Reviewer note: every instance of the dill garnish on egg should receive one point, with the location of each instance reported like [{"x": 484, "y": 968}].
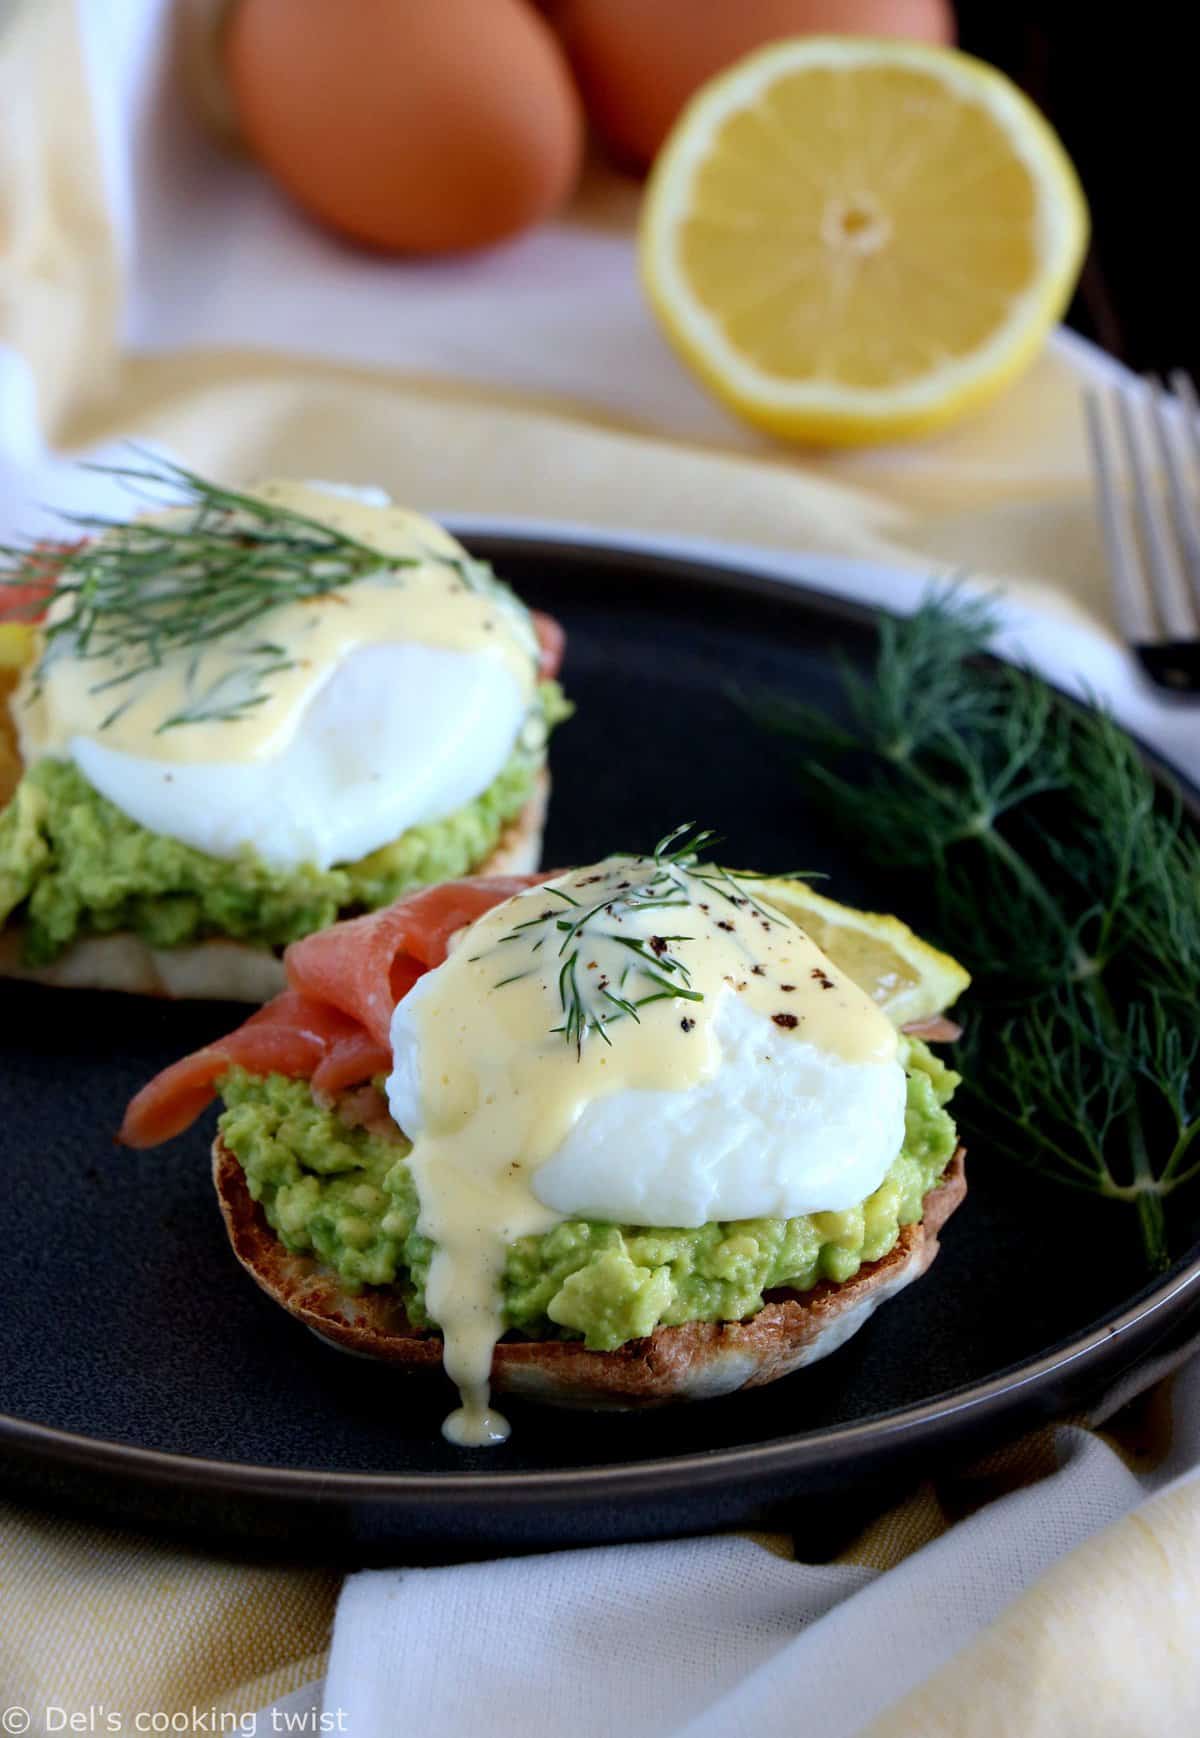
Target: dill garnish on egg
[
  {"x": 206, "y": 567},
  {"x": 636, "y": 971}
]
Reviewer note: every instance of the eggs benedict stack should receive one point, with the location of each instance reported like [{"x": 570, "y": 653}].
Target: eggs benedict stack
[
  {"x": 246, "y": 714},
  {"x": 616, "y": 1135}
]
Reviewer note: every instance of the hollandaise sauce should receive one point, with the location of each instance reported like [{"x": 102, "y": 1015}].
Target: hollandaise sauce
[
  {"x": 609, "y": 979},
  {"x": 199, "y": 634}
]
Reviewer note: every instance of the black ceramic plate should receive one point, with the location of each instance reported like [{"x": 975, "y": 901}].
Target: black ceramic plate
[{"x": 143, "y": 1374}]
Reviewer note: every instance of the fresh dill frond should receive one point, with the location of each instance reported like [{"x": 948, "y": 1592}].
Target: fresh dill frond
[
  {"x": 1064, "y": 874},
  {"x": 131, "y": 594},
  {"x": 630, "y": 971}
]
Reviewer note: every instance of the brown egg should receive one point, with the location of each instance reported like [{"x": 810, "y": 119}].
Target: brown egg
[
  {"x": 415, "y": 125},
  {"x": 638, "y": 61}
]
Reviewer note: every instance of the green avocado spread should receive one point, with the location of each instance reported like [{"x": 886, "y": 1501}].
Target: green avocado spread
[
  {"x": 72, "y": 864},
  {"x": 345, "y": 1195}
]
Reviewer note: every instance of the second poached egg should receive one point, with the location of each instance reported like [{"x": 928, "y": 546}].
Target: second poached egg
[{"x": 314, "y": 733}]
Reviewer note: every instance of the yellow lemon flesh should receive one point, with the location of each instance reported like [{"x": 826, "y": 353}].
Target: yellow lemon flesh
[
  {"x": 17, "y": 641},
  {"x": 855, "y": 240},
  {"x": 906, "y": 977},
  {"x": 17, "y": 646}
]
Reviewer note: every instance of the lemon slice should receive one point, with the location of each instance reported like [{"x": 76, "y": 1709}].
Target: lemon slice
[
  {"x": 907, "y": 978},
  {"x": 855, "y": 240},
  {"x": 14, "y": 652}
]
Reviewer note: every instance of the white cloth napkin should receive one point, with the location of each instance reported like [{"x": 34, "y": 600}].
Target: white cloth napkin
[{"x": 709, "y": 1637}]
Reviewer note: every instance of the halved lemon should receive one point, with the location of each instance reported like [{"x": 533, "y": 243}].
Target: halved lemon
[
  {"x": 907, "y": 978},
  {"x": 855, "y": 240}
]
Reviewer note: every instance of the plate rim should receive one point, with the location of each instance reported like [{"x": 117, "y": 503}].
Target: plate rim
[{"x": 473, "y": 1489}]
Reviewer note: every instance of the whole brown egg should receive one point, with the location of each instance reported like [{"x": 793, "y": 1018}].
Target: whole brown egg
[
  {"x": 638, "y": 61},
  {"x": 412, "y": 125}
]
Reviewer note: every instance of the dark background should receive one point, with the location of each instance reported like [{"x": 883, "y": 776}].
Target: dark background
[{"x": 1120, "y": 88}]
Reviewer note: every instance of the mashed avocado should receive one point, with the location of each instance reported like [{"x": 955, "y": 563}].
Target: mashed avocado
[
  {"x": 346, "y": 1195},
  {"x": 72, "y": 864}
]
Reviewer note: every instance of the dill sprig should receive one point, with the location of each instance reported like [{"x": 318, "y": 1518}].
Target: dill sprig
[
  {"x": 130, "y": 595},
  {"x": 631, "y": 971},
  {"x": 1065, "y": 875}
]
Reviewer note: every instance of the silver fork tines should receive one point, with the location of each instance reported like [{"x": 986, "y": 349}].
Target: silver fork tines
[{"x": 1154, "y": 557}]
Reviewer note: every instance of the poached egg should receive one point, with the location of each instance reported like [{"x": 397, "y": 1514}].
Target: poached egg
[
  {"x": 319, "y": 731},
  {"x": 640, "y": 1042}
]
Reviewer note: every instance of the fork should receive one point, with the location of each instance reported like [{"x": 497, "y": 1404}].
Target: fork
[{"x": 1153, "y": 557}]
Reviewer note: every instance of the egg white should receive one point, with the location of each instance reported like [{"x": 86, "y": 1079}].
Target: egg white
[
  {"x": 780, "y": 1128},
  {"x": 396, "y": 736}
]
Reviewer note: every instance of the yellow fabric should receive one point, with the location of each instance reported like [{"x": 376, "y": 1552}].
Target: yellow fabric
[
  {"x": 442, "y": 445},
  {"x": 1104, "y": 1645},
  {"x": 88, "y": 1615}
]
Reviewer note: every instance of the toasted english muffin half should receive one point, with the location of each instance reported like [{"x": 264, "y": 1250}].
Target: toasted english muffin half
[
  {"x": 695, "y": 1361},
  {"x": 221, "y": 969}
]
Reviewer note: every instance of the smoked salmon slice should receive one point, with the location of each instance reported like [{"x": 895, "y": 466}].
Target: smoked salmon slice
[
  {"x": 552, "y": 639},
  {"x": 352, "y": 1060},
  {"x": 333, "y": 1024},
  {"x": 364, "y": 966},
  {"x": 291, "y": 1035},
  {"x": 26, "y": 600},
  {"x": 935, "y": 1028}
]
